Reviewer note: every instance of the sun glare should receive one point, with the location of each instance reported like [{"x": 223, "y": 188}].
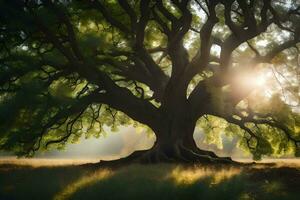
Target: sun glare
[{"x": 260, "y": 80}]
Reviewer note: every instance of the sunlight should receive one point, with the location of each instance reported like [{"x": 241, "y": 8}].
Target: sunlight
[
  {"x": 189, "y": 176},
  {"x": 83, "y": 182},
  {"x": 45, "y": 162},
  {"x": 261, "y": 80}
]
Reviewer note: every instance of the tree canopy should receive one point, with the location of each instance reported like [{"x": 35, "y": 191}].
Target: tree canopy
[{"x": 72, "y": 68}]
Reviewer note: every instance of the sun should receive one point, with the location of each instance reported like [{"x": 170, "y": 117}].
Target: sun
[
  {"x": 254, "y": 80},
  {"x": 260, "y": 80}
]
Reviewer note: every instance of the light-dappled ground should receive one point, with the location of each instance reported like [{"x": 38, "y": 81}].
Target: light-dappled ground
[{"x": 19, "y": 180}]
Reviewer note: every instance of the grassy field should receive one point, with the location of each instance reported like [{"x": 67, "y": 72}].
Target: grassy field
[{"x": 162, "y": 181}]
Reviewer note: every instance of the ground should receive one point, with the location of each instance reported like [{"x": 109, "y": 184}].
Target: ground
[{"x": 159, "y": 181}]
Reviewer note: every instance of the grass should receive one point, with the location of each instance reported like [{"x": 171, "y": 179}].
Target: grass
[{"x": 161, "y": 181}]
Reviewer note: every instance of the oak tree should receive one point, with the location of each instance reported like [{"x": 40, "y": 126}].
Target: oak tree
[{"x": 71, "y": 68}]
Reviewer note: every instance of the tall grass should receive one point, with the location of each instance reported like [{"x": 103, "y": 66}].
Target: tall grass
[{"x": 161, "y": 181}]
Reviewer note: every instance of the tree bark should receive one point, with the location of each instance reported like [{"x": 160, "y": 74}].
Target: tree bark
[{"x": 174, "y": 144}]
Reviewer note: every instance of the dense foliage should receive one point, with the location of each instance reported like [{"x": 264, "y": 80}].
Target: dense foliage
[{"x": 73, "y": 68}]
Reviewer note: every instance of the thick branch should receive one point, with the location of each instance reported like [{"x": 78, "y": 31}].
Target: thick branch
[{"x": 98, "y": 5}]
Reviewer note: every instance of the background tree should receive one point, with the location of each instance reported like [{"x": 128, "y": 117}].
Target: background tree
[{"x": 72, "y": 67}]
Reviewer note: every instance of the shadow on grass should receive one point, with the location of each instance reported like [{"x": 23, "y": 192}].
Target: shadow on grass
[
  {"x": 25, "y": 182},
  {"x": 163, "y": 181}
]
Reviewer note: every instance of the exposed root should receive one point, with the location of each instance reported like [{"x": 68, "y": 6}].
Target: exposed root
[{"x": 180, "y": 155}]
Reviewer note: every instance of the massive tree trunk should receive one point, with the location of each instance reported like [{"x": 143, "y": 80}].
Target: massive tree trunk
[
  {"x": 174, "y": 127},
  {"x": 174, "y": 143}
]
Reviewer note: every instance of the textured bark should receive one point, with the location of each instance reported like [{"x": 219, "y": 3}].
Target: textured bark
[{"x": 174, "y": 144}]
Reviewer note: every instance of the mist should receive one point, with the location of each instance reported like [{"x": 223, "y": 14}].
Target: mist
[{"x": 119, "y": 144}]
